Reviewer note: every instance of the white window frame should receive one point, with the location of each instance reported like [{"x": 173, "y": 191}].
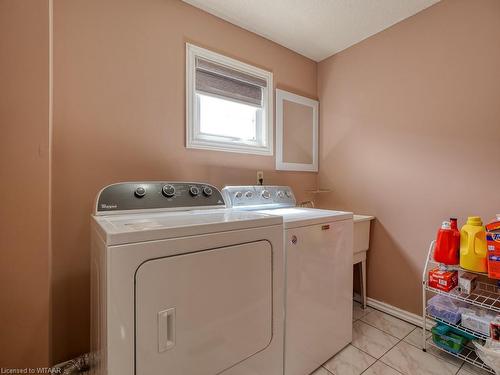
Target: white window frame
[{"x": 194, "y": 138}]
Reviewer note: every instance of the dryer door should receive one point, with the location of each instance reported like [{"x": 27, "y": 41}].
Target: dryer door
[{"x": 203, "y": 312}]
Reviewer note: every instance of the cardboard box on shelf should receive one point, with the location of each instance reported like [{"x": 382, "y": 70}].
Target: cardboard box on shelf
[
  {"x": 467, "y": 282},
  {"x": 493, "y": 243},
  {"x": 443, "y": 280},
  {"x": 495, "y": 329}
]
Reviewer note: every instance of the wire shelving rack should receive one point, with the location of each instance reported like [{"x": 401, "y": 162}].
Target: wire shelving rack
[{"x": 485, "y": 296}]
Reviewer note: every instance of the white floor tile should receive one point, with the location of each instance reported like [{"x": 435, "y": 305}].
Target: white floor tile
[
  {"x": 371, "y": 340},
  {"x": 388, "y": 324},
  {"x": 468, "y": 369},
  {"x": 379, "y": 368},
  {"x": 410, "y": 360},
  {"x": 350, "y": 361},
  {"x": 358, "y": 312},
  {"x": 415, "y": 337},
  {"x": 445, "y": 356},
  {"x": 321, "y": 371}
]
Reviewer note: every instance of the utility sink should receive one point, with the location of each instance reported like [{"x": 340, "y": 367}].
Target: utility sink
[
  {"x": 362, "y": 232},
  {"x": 361, "y": 246}
]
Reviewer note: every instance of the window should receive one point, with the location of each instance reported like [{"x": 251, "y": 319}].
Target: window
[{"x": 228, "y": 104}]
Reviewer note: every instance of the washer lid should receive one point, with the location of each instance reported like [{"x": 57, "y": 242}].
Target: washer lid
[
  {"x": 294, "y": 217},
  {"x": 131, "y": 228}
]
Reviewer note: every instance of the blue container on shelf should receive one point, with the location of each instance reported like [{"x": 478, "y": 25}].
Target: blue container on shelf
[
  {"x": 447, "y": 338},
  {"x": 444, "y": 308}
]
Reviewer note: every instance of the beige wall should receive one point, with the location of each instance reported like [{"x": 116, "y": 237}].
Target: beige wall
[
  {"x": 410, "y": 132},
  {"x": 119, "y": 114},
  {"x": 24, "y": 165},
  {"x": 297, "y": 133}
]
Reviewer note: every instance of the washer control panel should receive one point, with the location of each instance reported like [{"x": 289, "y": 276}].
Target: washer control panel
[
  {"x": 258, "y": 196},
  {"x": 127, "y": 196}
]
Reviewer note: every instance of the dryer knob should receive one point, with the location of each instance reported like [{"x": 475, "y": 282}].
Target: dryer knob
[
  {"x": 249, "y": 194},
  {"x": 140, "y": 192},
  {"x": 266, "y": 194},
  {"x": 207, "y": 191},
  {"x": 280, "y": 194},
  {"x": 168, "y": 191},
  {"x": 288, "y": 194},
  {"x": 194, "y": 191},
  {"x": 238, "y": 195}
]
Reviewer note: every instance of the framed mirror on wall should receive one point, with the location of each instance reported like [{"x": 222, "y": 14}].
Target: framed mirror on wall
[{"x": 296, "y": 132}]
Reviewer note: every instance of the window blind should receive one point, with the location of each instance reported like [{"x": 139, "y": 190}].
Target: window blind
[{"x": 219, "y": 80}]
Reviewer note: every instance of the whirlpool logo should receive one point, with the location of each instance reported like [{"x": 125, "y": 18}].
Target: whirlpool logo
[{"x": 107, "y": 206}]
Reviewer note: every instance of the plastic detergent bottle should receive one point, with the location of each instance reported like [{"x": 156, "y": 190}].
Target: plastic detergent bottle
[
  {"x": 447, "y": 244},
  {"x": 456, "y": 238},
  {"x": 473, "y": 254}
]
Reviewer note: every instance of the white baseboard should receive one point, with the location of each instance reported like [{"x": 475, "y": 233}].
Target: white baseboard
[{"x": 397, "y": 312}]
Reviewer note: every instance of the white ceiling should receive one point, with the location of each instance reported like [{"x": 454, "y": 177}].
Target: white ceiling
[{"x": 314, "y": 28}]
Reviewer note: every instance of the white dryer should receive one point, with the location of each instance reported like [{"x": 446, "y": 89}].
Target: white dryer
[
  {"x": 181, "y": 285},
  {"x": 318, "y": 271}
]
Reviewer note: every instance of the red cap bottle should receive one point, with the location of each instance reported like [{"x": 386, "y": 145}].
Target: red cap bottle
[
  {"x": 455, "y": 251},
  {"x": 447, "y": 247}
]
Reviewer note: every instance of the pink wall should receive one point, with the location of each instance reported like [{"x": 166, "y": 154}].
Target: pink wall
[
  {"x": 24, "y": 187},
  {"x": 119, "y": 114},
  {"x": 410, "y": 132}
]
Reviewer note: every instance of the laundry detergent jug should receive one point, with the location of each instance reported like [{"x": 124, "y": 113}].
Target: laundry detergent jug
[
  {"x": 473, "y": 254},
  {"x": 447, "y": 248}
]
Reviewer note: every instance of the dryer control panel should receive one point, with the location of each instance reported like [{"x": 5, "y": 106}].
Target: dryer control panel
[
  {"x": 258, "y": 197},
  {"x": 159, "y": 195}
]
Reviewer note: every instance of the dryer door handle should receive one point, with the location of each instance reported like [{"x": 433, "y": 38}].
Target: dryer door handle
[{"x": 166, "y": 329}]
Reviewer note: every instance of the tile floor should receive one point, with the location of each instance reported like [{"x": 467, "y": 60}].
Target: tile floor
[{"x": 384, "y": 345}]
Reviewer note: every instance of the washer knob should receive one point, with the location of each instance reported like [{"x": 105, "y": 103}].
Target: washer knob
[
  {"x": 168, "y": 191},
  {"x": 288, "y": 194},
  {"x": 207, "y": 191},
  {"x": 140, "y": 192},
  {"x": 238, "y": 195},
  {"x": 280, "y": 194},
  {"x": 266, "y": 194},
  {"x": 194, "y": 191},
  {"x": 248, "y": 194}
]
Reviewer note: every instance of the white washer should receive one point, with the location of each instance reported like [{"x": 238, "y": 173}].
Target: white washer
[
  {"x": 181, "y": 285},
  {"x": 318, "y": 258}
]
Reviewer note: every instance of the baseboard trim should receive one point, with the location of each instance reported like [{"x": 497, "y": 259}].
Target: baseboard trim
[{"x": 397, "y": 312}]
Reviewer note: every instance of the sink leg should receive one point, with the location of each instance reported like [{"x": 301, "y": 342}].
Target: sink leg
[{"x": 363, "y": 282}]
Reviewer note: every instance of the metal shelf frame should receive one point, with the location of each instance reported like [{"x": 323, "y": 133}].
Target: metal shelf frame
[
  {"x": 467, "y": 354},
  {"x": 479, "y": 297},
  {"x": 459, "y": 327},
  {"x": 485, "y": 296}
]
